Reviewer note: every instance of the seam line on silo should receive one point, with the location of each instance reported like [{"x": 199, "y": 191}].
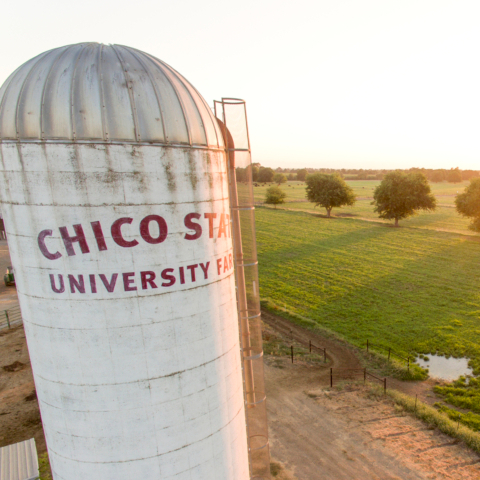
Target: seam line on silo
[
  {"x": 209, "y": 112},
  {"x": 187, "y": 84},
  {"x": 113, "y": 142},
  {"x": 21, "y": 92},
  {"x": 129, "y": 85},
  {"x": 12, "y": 76},
  {"x": 102, "y": 93},
  {"x": 72, "y": 96},
  {"x": 44, "y": 89},
  {"x": 179, "y": 99},
  {"x": 155, "y": 456},
  {"x": 173, "y": 374},
  {"x": 154, "y": 86},
  {"x": 116, "y": 204}
]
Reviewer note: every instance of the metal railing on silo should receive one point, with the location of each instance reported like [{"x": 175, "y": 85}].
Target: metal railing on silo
[{"x": 232, "y": 113}]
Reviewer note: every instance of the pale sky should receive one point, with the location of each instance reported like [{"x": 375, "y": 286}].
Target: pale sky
[{"x": 336, "y": 84}]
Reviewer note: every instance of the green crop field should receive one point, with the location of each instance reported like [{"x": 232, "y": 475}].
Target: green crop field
[{"x": 415, "y": 290}]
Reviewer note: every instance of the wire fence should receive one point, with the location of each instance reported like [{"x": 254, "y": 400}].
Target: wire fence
[
  {"x": 390, "y": 353},
  {"x": 11, "y": 317},
  {"x": 348, "y": 373},
  {"x": 345, "y": 373},
  {"x": 310, "y": 347}
]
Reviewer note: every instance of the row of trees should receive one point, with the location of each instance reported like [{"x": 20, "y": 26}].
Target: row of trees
[
  {"x": 400, "y": 195},
  {"x": 266, "y": 174}
]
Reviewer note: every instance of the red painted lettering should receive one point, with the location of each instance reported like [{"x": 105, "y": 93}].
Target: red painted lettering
[
  {"x": 117, "y": 233},
  {"x": 225, "y": 265},
  {"x": 127, "y": 281},
  {"x": 219, "y": 265},
  {"x": 182, "y": 275},
  {"x": 97, "y": 231},
  {"x": 205, "y": 269},
  {"x": 93, "y": 283},
  {"x": 167, "y": 275},
  {"x": 230, "y": 261},
  {"x": 222, "y": 227},
  {"x": 61, "y": 289},
  {"x": 79, "y": 285},
  {"x": 192, "y": 226},
  {"x": 192, "y": 271},
  {"x": 79, "y": 237},
  {"x": 110, "y": 286},
  {"x": 145, "y": 232},
  {"x": 148, "y": 279},
  {"x": 210, "y": 217},
  {"x": 43, "y": 247},
  {"x": 228, "y": 226}
]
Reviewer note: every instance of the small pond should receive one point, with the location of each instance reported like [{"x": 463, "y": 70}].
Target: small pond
[{"x": 445, "y": 368}]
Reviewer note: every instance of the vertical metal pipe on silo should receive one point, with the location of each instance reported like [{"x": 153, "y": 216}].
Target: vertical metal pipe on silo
[
  {"x": 114, "y": 188},
  {"x": 233, "y": 117}
]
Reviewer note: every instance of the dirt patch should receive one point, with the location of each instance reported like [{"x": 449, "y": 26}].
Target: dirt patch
[
  {"x": 31, "y": 397},
  {"x": 14, "y": 367},
  {"x": 280, "y": 472},
  {"x": 348, "y": 432},
  {"x": 19, "y": 413}
]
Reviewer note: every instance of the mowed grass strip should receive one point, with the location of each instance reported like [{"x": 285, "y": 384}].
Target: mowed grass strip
[
  {"x": 445, "y": 218},
  {"x": 417, "y": 291}
]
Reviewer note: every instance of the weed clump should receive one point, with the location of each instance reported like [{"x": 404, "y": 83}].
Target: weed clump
[
  {"x": 44, "y": 467},
  {"x": 462, "y": 393}
]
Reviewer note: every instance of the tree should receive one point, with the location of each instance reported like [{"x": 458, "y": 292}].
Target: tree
[
  {"x": 275, "y": 196},
  {"x": 279, "y": 178},
  {"x": 291, "y": 176},
  {"x": 469, "y": 174},
  {"x": 401, "y": 194},
  {"x": 241, "y": 174},
  {"x": 255, "y": 172},
  {"x": 265, "y": 174},
  {"x": 329, "y": 191},
  {"x": 302, "y": 174},
  {"x": 454, "y": 175},
  {"x": 468, "y": 203},
  {"x": 437, "y": 176}
]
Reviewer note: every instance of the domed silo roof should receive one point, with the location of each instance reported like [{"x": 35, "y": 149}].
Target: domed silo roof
[{"x": 98, "y": 93}]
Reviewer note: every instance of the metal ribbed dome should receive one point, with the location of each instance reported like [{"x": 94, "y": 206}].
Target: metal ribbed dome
[{"x": 98, "y": 93}]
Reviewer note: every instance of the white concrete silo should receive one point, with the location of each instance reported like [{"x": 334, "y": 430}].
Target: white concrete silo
[{"x": 115, "y": 198}]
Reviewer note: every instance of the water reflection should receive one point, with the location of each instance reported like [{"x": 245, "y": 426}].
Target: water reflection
[{"x": 445, "y": 368}]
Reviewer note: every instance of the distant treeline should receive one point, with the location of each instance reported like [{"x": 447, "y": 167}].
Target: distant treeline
[{"x": 266, "y": 174}]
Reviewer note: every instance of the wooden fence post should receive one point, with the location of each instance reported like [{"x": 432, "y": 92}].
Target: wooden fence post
[
  {"x": 292, "y": 352},
  {"x": 385, "y": 386},
  {"x": 331, "y": 377},
  {"x": 8, "y": 320},
  {"x": 389, "y": 349}
]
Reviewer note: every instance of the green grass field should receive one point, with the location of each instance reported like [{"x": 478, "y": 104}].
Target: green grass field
[
  {"x": 445, "y": 218},
  {"x": 413, "y": 289}
]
